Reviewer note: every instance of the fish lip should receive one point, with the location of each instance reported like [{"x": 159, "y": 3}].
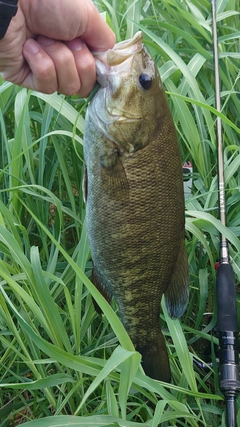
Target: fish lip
[
  {"x": 125, "y": 49},
  {"x": 130, "y": 42},
  {"x": 135, "y": 41},
  {"x": 109, "y": 62}
]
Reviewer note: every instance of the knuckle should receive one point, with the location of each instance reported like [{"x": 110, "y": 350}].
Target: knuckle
[
  {"x": 84, "y": 91},
  {"x": 71, "y": 89},
  {"x": 45, "y": 77},
  {"x": 47, "y": 89},
  {"x": 88, "y": 65},
  {"x": 64, "y": 58}
]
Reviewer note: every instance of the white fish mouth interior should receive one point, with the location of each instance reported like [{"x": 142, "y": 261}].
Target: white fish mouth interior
[
  {"x": 125, "y": 44},
  {"x": 121, "y": 51}
]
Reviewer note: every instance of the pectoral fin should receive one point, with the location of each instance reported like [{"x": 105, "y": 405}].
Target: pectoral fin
[
  {"x": 114, "y": 179},
  {"x": 176, "y": 295}
]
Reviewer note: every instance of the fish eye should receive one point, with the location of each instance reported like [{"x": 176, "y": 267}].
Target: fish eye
[{"x": 145, "y": 81}]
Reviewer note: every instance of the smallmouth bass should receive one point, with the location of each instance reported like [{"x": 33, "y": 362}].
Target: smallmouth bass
[{"x": 134, "y": 198}]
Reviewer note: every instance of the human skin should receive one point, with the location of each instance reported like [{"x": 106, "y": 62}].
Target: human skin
[{"x": 48, "y": 46}]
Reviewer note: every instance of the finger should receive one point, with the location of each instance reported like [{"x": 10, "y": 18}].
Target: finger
[
  {"x": 69, "y": 20},
  {"x": 85, "y": 66},
  {"x": 40, "y": 73},
  {"x": 64, "y": 62},
  {"x": 97, "y": 34}
]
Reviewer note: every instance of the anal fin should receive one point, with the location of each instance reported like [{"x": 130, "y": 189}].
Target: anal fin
[
  {"x": 101, "y": 288},
  {"x": 177, "y": 293}
]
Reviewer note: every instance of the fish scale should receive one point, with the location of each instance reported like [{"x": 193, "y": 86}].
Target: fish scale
[{"x": 135, "y": 203}]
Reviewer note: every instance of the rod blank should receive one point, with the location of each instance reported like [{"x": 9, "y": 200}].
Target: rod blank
[
  {"x": 221, "y": 182},
  {"x": 229, "y": 378}
]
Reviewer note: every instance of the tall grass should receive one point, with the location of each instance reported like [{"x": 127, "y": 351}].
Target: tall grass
[{"x": 61, "y": 363}]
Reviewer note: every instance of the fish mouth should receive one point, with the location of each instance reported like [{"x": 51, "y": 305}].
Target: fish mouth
[
  {"x": 121, "y": 51},
  {"x": 125, "y": 44},
  {"x": 117, "y": 59}
]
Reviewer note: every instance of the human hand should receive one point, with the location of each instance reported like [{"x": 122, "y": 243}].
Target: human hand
[{"x": 48, "y": 46}]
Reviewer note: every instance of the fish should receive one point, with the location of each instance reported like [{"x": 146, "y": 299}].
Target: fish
[{"x": 134, "y": 198}]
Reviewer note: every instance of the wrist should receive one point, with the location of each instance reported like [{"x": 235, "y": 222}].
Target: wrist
[{"x": 8, "y": 9}]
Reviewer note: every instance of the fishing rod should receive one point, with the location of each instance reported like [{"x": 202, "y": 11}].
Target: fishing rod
[{"x": 227, "y": 325}]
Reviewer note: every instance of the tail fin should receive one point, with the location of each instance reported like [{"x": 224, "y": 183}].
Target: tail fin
[
  {"x": 176, "y": 295},
  {"x": 155, "y": 360}
]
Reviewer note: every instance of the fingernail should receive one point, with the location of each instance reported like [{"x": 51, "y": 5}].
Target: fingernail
[
  {"x": 45, "y": 41},
  {"x": 31, "y": 47},
  {"x": 75, "y": 44}
]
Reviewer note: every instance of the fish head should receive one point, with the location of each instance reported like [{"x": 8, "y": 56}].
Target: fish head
[{"x": 131, "y": 101}]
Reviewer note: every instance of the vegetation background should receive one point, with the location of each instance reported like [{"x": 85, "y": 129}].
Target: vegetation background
[{"x": 61, "y": 363}]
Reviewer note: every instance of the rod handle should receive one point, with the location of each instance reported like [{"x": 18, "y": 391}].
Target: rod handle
[
  {"x": 231, "y": 411},
  {"x": 226, "y": 299}
]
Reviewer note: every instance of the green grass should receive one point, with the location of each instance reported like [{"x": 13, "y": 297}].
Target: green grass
[{"x": 61, "y": 363}]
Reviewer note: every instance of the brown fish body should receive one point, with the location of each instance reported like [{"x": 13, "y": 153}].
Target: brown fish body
[{"x": 135, "y": 204}]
